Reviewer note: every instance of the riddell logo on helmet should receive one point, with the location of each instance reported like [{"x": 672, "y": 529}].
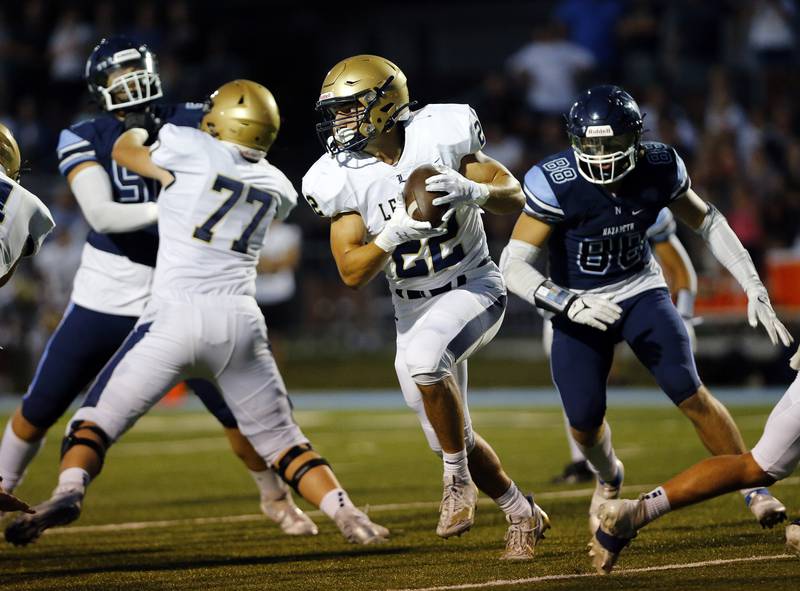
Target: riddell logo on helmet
[
  {"x": 125, "y": 55},
  {"x": 599, "y": 131},
  {"x": 325, "y": 96}
]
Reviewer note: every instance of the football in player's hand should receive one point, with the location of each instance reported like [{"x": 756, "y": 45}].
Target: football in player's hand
[{"x": 419, "y": 202}]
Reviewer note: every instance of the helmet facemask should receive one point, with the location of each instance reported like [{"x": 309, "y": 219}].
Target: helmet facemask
[
  {"x": 138, "y": 86},
  {"x": 350, "y": 122},
  {"x": 604, "y": 158}
]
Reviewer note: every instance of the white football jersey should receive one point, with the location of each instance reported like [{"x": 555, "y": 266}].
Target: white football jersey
[
  {"x": 360, "y": 183},
  {"x": 22, "y": 216},
  {"x": 213, "y": 220}
]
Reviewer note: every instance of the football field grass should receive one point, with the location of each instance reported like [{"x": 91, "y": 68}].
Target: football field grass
[{"x": 173, "y": 509}]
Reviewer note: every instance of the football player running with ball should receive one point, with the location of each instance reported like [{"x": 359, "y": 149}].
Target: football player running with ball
[
  {"x": 449, "y": 297},
  {"x": 592, "y": 205},
  {"x": 220, "y": 195},
  {"x": 113, "y": 282},
  {"x": 24, "y": 223}
]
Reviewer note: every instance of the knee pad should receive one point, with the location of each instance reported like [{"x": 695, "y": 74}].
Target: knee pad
[
  {"x": 71, "y": 440},
  {"x": 426, "y": 354},
  {"x": 302, "y": 470}
]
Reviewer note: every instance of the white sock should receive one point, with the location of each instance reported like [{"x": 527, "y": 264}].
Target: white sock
[
  {"x": 744, "y": 492},
  {"x": 15, "y": 455},
  {"x": 456, "y": 465},
  {"x": 269, "y": 484},
  {"x": 514, "y": 504},
  {"x": 655, "y": 505},
  {"x": 601, "y": 456},
  {"x": 575, "y": 453},
  {"x": 333, "y": 501},
  {"x": 72, "y": 480}
]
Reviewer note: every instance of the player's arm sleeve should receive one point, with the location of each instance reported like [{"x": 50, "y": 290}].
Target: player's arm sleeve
[
  {"x": 287, "y": 200},
  {"x": 541, "y": 201},
  {"x": 73, "y": 149},
  {"x": 173, "y": 145},
  {"x": 326, "y": 194},
  {"x": 477, "y": 140},
  {"x": 92, "y": 189},
  {"x": 663, "y": 227},
  {"x": 22, "y": 231},
  {"x": 523, "y": 279},
  {"x": 728, "y": 249}
]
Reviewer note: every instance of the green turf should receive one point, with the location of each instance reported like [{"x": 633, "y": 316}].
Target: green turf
[{"x": 175, "y": 466}]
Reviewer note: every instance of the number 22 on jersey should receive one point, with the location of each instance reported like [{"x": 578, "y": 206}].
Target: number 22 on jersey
[
  {"x": 237, "y": 189},
  {"x": 417, "y": 252}
]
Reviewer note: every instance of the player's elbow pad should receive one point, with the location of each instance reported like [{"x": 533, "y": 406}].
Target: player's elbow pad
[{"x": 516, "y": 264}]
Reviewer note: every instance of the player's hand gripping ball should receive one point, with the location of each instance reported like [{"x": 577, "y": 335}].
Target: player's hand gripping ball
[{"x": 419, "y": 201}]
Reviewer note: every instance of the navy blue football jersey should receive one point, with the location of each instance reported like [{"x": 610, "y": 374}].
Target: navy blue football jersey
[
  {"x": 92, "y": 141},
  {"x": 600, "y": 238}
]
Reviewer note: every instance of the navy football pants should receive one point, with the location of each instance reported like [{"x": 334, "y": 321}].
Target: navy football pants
[
  {"x": 78, "y": 349},
  {"x": 581, "y": 356}
]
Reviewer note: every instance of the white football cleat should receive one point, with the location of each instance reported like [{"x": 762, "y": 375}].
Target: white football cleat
[
  {"x": 357, "y": 528},
  {"x": 59, "y": 510},
  {"x": 523, "y": 535},
  {"x": 793, "y": 538},
  {"x": 768, "y": 510},
  {"x": 289, "y": 516},
  {"x": 616, "y": 530},
  {"x": 457, "y": 509},
  {"x": 604, "y": 491}
]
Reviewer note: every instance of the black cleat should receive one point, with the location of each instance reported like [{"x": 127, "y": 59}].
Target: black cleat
[{"x": 59, "y": 510}]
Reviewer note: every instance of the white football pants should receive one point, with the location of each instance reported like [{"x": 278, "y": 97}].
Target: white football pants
[
  {"x": 778, "y": 450},
  {"x": 437, "y": 335},
  {"x": 219, "y": 338}
]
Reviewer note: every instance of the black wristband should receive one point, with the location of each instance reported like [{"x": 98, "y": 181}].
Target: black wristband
[{"x": 553, "y": 298}]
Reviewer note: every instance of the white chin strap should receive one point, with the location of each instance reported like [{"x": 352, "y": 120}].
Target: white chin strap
[{"x": 600, "y": 160}]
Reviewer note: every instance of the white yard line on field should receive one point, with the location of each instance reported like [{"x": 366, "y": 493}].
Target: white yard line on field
[
  {"x": 621, "y": 571},
  {"x": 134, "y": 525}
]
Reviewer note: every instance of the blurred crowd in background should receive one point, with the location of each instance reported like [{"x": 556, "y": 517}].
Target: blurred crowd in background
[{"x": 717, "y": 79}]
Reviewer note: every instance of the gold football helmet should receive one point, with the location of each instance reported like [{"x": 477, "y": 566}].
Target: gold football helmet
[
  {"x": 10, "y": 158},
  {"x": 361, "y": 97},
  {"x": 242, "y": 112}
]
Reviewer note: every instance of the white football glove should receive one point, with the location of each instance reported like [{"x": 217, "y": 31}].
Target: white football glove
[
  {"x": 401, "y": 227},
  {"x": 794, "y": 362},
  {"x": 759, "y": 309},
  {"x": 594, "y": 310},
  {"x": 460, "y": 190}
]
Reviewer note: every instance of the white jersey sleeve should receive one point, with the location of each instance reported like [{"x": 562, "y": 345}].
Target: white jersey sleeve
[
  {"x": 455, "y": 128},
  {"x": 326, "y": 189},
  {"x": 287, "y": 195},
  {"x": 23, "y": 217},
  {"x": 174, "y": 146}
]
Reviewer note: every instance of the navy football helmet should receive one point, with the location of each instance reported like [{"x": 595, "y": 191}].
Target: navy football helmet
[
  {"x": 122, "y": 74},
  {"x": 604, "y": 126}
]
